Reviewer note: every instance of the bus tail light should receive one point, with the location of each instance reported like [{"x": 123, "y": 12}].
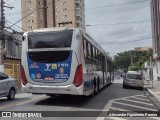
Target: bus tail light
[
  {"x": 78, "y": 79},
  {"x": 23, "y": 76}
]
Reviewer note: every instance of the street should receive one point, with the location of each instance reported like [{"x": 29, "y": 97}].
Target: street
[
  {"x": 66, "y": 51},
  {"x": 111, "y": 98}
]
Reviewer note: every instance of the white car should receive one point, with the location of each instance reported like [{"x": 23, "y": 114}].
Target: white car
[
  {"x": 7, "y": 86},
  {"x": 133, "y": 79}
]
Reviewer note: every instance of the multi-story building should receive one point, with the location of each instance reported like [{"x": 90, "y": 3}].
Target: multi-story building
[
  {"x": 52, "y": 13},
  {"x": 155, "y": 10},
  {"x": 142, "y": 48}
]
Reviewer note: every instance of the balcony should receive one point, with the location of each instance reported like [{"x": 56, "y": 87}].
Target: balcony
[
  {"x": 79, "y": 14},
  {"x": 79, "y": 2}
]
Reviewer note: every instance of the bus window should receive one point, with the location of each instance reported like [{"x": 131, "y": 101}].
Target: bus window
[
  {"x": 60, "y": 39},
  {"x": 84, "y": 49}
]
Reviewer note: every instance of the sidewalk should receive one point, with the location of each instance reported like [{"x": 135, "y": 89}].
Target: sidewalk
[{"x": 155, "y": 90}]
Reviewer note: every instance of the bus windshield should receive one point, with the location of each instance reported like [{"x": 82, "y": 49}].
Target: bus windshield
[{"x": 60, "y": 39}]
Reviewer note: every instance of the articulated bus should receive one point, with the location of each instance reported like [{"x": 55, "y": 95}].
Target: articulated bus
[{"x": 63, "y": 61}]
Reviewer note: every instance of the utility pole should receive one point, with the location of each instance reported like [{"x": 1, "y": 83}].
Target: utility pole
[
  {"x": 2, "y": 34},
  {"x": 151, "y": 70},
  {"x": 131, "y": 60},
  {"x": 2, "y": 37}
]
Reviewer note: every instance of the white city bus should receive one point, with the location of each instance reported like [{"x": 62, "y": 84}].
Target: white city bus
[{"x": 57, "y": 61}]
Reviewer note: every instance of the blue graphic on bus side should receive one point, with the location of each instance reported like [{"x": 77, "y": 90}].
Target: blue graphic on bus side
[
  {"x": 88, "y": 85},
  {"x": 58, "y": 72}
]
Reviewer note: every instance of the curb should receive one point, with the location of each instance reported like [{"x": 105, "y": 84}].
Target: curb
[{"x": 157, "y": 97}]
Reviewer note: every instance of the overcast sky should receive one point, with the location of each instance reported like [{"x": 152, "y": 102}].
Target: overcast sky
[{"x": 115, "y": 24}]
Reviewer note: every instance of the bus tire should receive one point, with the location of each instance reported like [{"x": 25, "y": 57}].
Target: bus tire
[
  {"x": 94, "y": 87},
  {"x": 98, "y": 84}
]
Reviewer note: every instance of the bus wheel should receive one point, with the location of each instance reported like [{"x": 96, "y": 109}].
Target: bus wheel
[
  {"x": 98, "y": 84},
  {"x": 94, "y": 87}
]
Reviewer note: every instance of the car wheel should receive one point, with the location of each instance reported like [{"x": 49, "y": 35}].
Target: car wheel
[
  {"x": 11, "y": 95},
  {"x": 124, "y": 86}
]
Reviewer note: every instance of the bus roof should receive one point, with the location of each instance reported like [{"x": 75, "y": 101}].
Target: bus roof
[{"x": 51, "y": 29}]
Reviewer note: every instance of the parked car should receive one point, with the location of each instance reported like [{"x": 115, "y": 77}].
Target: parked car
[
  {"x": 133, "y": 79},
  {"x": 7, "y": 86}
]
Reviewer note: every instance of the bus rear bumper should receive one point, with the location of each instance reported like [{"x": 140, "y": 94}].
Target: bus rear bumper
[{"x": 68, "y": 90}]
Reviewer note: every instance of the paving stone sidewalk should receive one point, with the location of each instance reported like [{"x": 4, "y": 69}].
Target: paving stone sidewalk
[{"x": 153, "y": 89}]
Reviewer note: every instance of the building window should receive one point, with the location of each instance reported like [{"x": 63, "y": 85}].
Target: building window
[{"x": 30, "y": 2}]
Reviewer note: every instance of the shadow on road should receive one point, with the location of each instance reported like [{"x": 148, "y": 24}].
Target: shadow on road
[
  {"x": 97, "y": 102},
  {"x": 78, "y": 101}
]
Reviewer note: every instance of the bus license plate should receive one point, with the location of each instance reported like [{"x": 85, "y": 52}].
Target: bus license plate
[{"x": 49, "y": 78}]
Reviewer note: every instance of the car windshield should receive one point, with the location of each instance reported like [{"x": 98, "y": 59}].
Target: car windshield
[{"x": 134, "y": 76}]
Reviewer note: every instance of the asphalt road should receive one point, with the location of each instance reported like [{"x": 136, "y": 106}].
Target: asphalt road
[{"x": 111, "y": 98}]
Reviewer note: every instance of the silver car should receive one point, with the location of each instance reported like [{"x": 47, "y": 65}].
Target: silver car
[
  {"x": 7, "y": 86},
  {"x": 133, "y": 79}
]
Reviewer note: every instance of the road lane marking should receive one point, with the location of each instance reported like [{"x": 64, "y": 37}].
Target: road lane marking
[
  {"x": 117, "y": 109},
  {"x": 150, "y": 109},
  {"x": 8, "y": 106},
  {"x": 137, "y": 102},
  {"x": 21, "y": 103},
  {"x": 140, "y": 98},
  {"x": 106, "y": 108},
  {"x": 156, "y": 92},
  {"x": 143, "y": 97},
  {"x": 129, "y": 97},
  {"x": 116, "y": 118},
  {"x": 154, "y": 118},
  {"x": 32, "y": 100}
]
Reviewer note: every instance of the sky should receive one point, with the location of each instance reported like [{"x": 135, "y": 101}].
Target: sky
[{"x": 117, "y": 25}]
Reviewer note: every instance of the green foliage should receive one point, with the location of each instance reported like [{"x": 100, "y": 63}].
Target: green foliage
[
  {"x": 133, "y": 68},
  {"x": 138, "y": 58},
  {"x": 142, "y": 66}
]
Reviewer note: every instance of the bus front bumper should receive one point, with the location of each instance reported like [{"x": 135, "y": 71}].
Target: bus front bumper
[{"x": 68, "y": 90}]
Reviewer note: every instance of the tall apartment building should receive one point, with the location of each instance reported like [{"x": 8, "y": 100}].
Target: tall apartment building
[
  {"x": 52, "y": 13},
  {"x": 155, "y": 16}
]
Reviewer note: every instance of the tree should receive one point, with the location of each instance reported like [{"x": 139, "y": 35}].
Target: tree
[{"x": 132, "y": 60}]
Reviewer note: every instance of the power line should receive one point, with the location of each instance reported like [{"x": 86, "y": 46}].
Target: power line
[
  {"x": 128, "y": 41},
  {"x": 127, "y": 37},
  {"x": 20, "y": 12},
  {"x": 116, "y": 4},
  {"x": 120, "y": 23},
  {"x": 16, "y": 25},
  {"x": 86, "y": 8},
  {"x": 27, "y": 16}
]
